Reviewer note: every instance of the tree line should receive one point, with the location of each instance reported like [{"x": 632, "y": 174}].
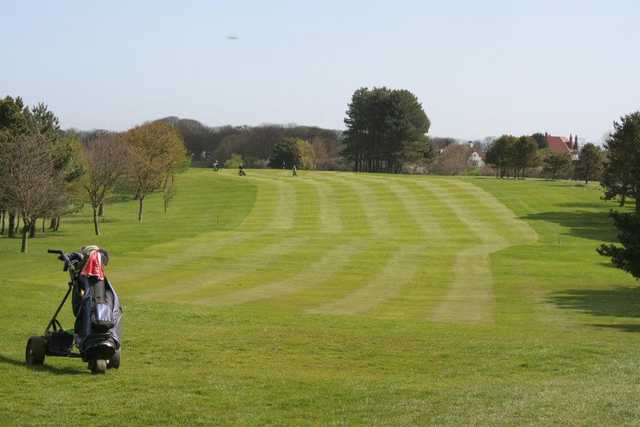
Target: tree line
[
  {"x": 254, "y": 146},
  {"x": 386, "y": 129},
  {"x": 386, "y": 132},
  {"x": 46, "y": 173},
  {"x": 512, "y": 156}
]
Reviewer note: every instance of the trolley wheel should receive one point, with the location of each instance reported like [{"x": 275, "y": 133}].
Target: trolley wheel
[
  {"x": 36, "y": 349},
  {"x": 114, "y": 361},
  {"x": 99, "y": 366}
]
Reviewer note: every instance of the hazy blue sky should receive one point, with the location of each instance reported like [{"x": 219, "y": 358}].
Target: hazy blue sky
[{"x": 479, "y": 68}]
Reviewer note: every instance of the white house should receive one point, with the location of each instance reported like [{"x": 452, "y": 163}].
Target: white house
[{"x": 475, "y": 159}]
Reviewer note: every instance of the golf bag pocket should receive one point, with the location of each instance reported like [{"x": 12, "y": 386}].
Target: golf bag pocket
[{"x": 102, "y": 317}]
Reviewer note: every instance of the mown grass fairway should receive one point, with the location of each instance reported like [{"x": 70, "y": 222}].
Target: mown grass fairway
[{"x": 335, "y": 298}]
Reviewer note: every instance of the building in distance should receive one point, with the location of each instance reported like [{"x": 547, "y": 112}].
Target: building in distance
[{"x": 562, "y": 145}]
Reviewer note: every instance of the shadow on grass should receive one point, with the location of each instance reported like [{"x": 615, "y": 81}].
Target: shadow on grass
[
  {"x": 585, "y": 224},
  {"x": 623, "y": 327},
  {"x": 46, "y": 368},
  {"x": 599, "y": 204},
  {"x": 622, "y": 301}
]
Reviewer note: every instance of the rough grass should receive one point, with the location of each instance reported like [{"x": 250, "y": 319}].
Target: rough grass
[{"x": 335, "y": 298}]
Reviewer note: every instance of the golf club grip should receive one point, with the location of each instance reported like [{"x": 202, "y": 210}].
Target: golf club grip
[{"x": 55, "y": 251}]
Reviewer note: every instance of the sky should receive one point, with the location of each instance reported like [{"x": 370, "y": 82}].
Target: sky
[{"x": 479, "y": 68}]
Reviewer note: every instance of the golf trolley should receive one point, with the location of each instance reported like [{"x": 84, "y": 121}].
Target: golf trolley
[{"x": 96, "y": 344}]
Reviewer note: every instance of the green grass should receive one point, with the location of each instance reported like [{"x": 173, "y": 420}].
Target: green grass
[{"x": 336, "y": 298}]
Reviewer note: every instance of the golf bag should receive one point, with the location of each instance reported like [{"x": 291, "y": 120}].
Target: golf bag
[{"x": 98, "y": 313}]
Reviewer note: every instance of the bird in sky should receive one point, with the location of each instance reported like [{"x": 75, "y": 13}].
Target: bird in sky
[{"x": 232, "y": 37}]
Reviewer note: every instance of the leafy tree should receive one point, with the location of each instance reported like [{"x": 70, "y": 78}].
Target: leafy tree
[
  {"x": 524, "y": 154},
  {"x": 620, "y": 177},
  {"x": 292, "y": 151},
  {"x": 541, "y": 140},
  {"x": 68, "y": 162},
  {"x": 381, "y": 123},
  {"x": 43, "y": 121},
  {"x": 155, "y": 151},
  {"x": 285, "y": 154},
  {"x": 12, "y": 116},
  {"x": 626, "y": 257},
  {"x": 410, "y": 128},
  {"x": 556, "y": 164},
  {"x": 419, "y": 153},
  {"x": 500, "y": 154},
  {"x": 67, "y": 158},
  {"x": 590, "y": 163}
]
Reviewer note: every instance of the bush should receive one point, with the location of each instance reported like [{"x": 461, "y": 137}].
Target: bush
[
  {"x": 234, "y": 161},
  {"x": 290, "y": 152}
]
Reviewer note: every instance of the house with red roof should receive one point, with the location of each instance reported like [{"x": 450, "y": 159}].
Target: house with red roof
[{"x": 561, "y": 145}]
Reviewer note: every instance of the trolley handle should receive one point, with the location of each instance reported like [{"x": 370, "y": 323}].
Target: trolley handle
[{"x": 62, "y": 257}]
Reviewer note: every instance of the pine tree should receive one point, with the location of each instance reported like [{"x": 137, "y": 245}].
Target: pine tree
[
  {"x": 622, "y": 179},
  {"x": 590, "y": 163},
  {"x": 619, "y": 179}
]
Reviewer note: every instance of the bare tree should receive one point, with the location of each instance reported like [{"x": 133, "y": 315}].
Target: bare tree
[
  {"x": 6, "y": 139},
  {"x": 320, "y": 152},
  {"x": 168, "y": 190},
  {"x": 453, "y": 160},
  {"x": 106, "y": 162},
  {"x": 4, "y": 213},
  {"x": 32, "y": 186}
]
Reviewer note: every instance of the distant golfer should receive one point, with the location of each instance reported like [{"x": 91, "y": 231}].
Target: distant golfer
[
  {"x": 241, "y": 171},
  {"x": 294, "y": 171}
]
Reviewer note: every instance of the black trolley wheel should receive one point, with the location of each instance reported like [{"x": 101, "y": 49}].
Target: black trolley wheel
[
  {"x": 98, "y": 366},
  {"x": 36, "y": 350},
  {"x": 114, "y": 361}
]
